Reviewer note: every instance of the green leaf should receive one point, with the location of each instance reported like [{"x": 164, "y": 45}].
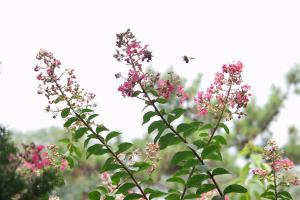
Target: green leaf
[
  {"x": 175, "y": 114},
  {"x": 285, "y": 195},
  {"x": 176, "y": 179},
  {"x": 80, "y": 132},
  {"x": 89, "y": 119},
  {"x": 64, "y": 140},
  {"x": 109, "y": 165},
  {"x": 220, "y": 139},
  {"x": 188, "y": 129},
  {"x": 86, "y": 142},
  {"x": 111, "y": 135},
  {"x": 212, "y": 152},
  {"x": 101, "y": 128},
  {"x": 124, "y": 146},
  {"x": 94, "y": 195},
  {"x": 200, "y": 144},
  {"x": 220, "y": 171},
  {"x": 116, "y": 177},
  {"x": 196, "y": 180},
  {"x": 133, "y": 196},
  {"x": 96, "y": 149},
  {"x": 65, "y": 112},
  {"x": 141, "y": 166},
  {"x": 70, "y": 121},
  {"x": 222, "y": 125},
  {"x": 161, "y": 100},
  {"x": 148, "y": 116},
  {"x": 85, "y": 110},
  {"x": 153, "y": 193},
  {"x": 173, "y": 196},
  {"x": 168, "y": 140},
  {"x": 160, "y": 125},
  {"x": 205, "y": 127},
  {"x": 125, "y": 187},
  {"x": 235, "y": 188},
  {"x": 205, "y": 188},
  {"x": 182, "y": 155}
]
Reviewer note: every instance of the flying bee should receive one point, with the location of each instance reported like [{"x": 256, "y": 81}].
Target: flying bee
[{"x": 187, "y": 58}]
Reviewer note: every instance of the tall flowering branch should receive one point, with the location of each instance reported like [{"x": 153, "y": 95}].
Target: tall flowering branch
[
  {"x": 61, "y": 89},
  {"x": 277, "y": 176},
  {"x": 161, "y": 88}
]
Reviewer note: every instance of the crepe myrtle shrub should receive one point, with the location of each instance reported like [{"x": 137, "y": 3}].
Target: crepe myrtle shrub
[
  {"x": 275, "y": 173},
  {"x": 31, "y": 172},
  {"x": 123, "y": 172}
]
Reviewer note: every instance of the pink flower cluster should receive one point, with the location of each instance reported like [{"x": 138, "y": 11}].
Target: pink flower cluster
[
  {"x": 272, "y": 155},
  {"x": 226, "y": 91},
  {"x": 260, "y": 172},
  {"x": 134, "y": 54},
  {"x": 36, "y": 158},
  {"x": 59, "y": 85}
]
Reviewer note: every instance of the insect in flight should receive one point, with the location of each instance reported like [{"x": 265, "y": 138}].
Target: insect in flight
[{"x": 187, "y": 58}]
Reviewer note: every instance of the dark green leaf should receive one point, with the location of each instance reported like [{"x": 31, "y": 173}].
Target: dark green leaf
[
  {"x": 70, "y": 121},
  {"x": 89, "y": 119},
  {"x": 94, "y": 195},
  {"x": 205, "y": 127},
  {"x": 109, "y": 165},
  {"x": 175, "y": 114},
  {"x": 285, "y": 195},
  {"x": 173, "y": 196},
  {"x": 220, "y": 171},
  {"x": 86, "y": 142},
  {"x": 220, "y": 139},
  {"x": 125, "y": 187},
  {"x": 65, "y": 112},
  {"x": 112, "y": 135},
  {"x": 222, "y": 125},
  {"x": 211, "y": 152},
  {"x": 160, "y": 125},
  {"x": 161, "y": 100},
  {"x": 196, "y": 180},
  {"x": 101, "y": 128},
  {"x": 168, "y": 140},
  {"x": 85, "y": 110},
  {"x": 141, "y": 166},
  {"x": 124, "y": 146},
  {"x": 235, "y": 188},
  {"x": 80, "y": 132},
  {"x": 182, "y": 155},
  {"x": 133, "y": 196},
  {"x": 205, "y": 188},
  {"x": 116, "y": 177},
  {"x": 148, "y": 116},
  {"x": 96, "y": 149},
  {"x": 176, "y": 179}
]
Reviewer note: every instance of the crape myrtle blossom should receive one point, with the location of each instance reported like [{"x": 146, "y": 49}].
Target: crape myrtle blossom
[
  {"x": 134, "y": 54},
  {"x": 37, "y": 158},
  {"x": 59, "y": 85},
  {"x": 278, "y": 165},
  {"x": 226, "y": 91}
]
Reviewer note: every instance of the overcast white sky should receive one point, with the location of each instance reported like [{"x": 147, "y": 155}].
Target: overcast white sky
[{"x": 265, "y": 35}]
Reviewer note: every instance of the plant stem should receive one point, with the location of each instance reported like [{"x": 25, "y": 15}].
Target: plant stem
[
  {"x": 275, "y": 184},
  {"x": 101, "y": 139},
  {"x": 185, "y": 186},
  {"x": 220, "y": 117}
]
